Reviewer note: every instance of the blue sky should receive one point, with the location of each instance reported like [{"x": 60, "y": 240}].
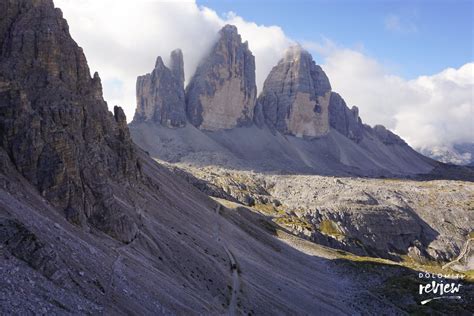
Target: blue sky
[{"x": 412, "y": 37}]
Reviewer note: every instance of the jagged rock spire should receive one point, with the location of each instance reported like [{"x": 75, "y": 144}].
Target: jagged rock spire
[
  {"x": 177, "y": 65},
  {"x": 160, "y": 94},
  {"x": 222, "y": 92}
]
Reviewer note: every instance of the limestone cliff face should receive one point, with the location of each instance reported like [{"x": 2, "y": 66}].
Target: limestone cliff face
[
  {"x": 295, "y": 97},
  {"x": 54, "y": 124},
  {"x": 346, "y": 121},
  {"x": 160, "y": 94},
  {"x": 222, "y": 92}
]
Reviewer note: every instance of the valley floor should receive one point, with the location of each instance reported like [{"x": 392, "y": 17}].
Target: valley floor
[{"x": 389, "y": 229}]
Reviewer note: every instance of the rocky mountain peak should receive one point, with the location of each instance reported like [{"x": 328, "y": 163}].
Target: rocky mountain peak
[
  {"x": 159, "y": 64},
  {"x": 160, "y": 94},
  {"x": 229, "y": 32},
  {"x": 222, "y": 92},
  {"x": 177, "y": 65},
  {"x": 295, "y": 96}
]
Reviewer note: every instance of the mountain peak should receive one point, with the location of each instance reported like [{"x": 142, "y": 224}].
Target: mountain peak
[
  {"x": 222, "y": 92},
  {"x": 159, "y": 63},
  {"x": 229, "y": 29},
  {"x": 160, "y": 94},
  {"x": 295, "y": 96},
  {"x": 296, "y": 52},
  {"x": 177, "y": 65}
]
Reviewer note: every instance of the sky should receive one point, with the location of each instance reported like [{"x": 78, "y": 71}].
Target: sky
[
  {"x": 408, "y": 65},
  {"x": 412, "y": 37}
]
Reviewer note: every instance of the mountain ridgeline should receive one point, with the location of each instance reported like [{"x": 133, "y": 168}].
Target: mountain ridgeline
[
  {"x": 91, "y": 224},
  {"x": 296, "y": 124}
]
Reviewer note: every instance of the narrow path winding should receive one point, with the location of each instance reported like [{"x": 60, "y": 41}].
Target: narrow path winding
[
  {"x": 463, "y": 252},
  {"x": 233, "y": 266}
]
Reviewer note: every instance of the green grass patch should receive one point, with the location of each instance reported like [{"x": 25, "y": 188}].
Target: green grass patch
[
  {"x": 328, "y": 227},
  {"x": 294, "y": 220}
]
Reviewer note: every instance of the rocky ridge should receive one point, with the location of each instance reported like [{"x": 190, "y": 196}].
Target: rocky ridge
[
  {"x": 297, "y": 124},
  {"x": 55, "y": 125},
  {"x": 346, "y": 121},
  {"x": 90, "y": 224}
]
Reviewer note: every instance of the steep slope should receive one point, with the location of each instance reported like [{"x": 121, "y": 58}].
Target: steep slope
[{"x": 90, "y": 224}]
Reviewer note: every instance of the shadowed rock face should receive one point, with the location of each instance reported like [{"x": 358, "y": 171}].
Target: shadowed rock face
[
  {"x": 177, "y": 65},
  {"x": 160, "y": 95},
  {"x": 295, "y": 96},
  {"x": 222, "y": 93},
  {"x": 54, "y": 123},
  {"x": 386, "y": 136},
  {"x": 346, "y": 121}
]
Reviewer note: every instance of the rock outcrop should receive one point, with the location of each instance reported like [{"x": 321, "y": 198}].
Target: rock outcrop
[
  {"x": 295, "y": 96},
  {"x": 160, "y": 94},
  {"x": 386, "y": 136},
  {"x": 55, "y": 125},
  {"x": 346, "y": 121},
  {"x": 222, "y": 92}
]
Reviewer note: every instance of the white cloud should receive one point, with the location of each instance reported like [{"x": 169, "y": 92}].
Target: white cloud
[
  {"x": 122, "y": 39},
  {"x": 427, "y": 111}
]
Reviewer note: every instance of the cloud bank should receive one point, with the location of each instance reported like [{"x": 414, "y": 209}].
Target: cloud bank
[
  {"x": 436, "y": 110},
  {"x": 122, "y": 39}
]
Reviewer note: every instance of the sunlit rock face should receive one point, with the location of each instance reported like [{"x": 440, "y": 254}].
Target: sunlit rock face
[
  {"x": 222, "y": 93},
  {"x": 296, "y": 94},
  {"x": 160, "y": 94}
]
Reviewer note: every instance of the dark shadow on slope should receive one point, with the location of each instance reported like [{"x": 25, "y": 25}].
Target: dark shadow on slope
[
  {"x": 401, "y": 286},
  {"x": 393, "y": 250},
  {"x": 398, "y": 235},
  {"x": 386, "y": 288},
  {"x": 448, "y": 172}
]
